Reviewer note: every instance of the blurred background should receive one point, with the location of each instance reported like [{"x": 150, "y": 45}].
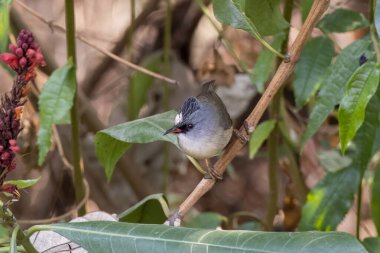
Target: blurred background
[{"x": 190, "y": 52}]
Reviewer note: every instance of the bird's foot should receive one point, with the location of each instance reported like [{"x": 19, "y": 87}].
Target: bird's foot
[
  {"x": 244, "y": 138},
  {"x": 174, "y": 220},
  {"x": 213, "y": 174}
]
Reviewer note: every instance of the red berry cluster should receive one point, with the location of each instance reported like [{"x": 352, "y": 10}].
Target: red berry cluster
[{"x": 24, "y": 58}]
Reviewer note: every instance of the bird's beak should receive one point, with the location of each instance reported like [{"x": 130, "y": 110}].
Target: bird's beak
[{"x": 173, "y": 130}]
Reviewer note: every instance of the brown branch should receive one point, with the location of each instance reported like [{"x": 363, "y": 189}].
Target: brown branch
[
  {"x": 129, "y": 64},
  {"x": 282, "y": 74}
]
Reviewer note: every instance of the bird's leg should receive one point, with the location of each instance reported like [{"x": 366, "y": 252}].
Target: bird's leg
[
  {"x": 174, "y": 220},
  {"x": 248, "y": 130},
  {"x": 212, "y": 173}
]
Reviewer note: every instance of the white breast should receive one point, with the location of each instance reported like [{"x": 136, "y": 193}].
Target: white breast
[{"x": 205, "y": 147}]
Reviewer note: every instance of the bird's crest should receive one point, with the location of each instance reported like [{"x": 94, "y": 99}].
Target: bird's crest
[{"x": 189, "y": 107}]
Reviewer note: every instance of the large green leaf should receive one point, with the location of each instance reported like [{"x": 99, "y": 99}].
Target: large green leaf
[
  {"x": 265, "y": 63},
  {"x": 375, "y": 200},
  {"x": 140, "y": 84},
  {"x": 113, "y": 142},
  {"x": 207, "y": 220},
  {"x": 4, "y": 24},
  {"x": 311, "y": 67},
  {"x": 102, "y": 236},
  {"x": 55, "y": 102},
  {"x": 359, "y": 90},
  {"x": 260, "y": 134},
  {"x": 343, "y": 20},
  {"x": 258, "y": 12},
  {"x": 333, "y": 85},
  {"x": 329, "y": 201},
  {"x": 152, "y": 209},
  {"x": 22, "y": 184},
  {"x": 372, "y": 244}
]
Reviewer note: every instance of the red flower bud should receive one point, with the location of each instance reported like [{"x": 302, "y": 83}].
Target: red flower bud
[
  {"x": 15, "y": 149},
  {"x": 30, "y": 53},
  {"x": 19, "y": 52},
  {"x": 1, "y": 148},
  {"x": 12, "y": 47},
  {"x": 5, "y": 156},
  {"x": 12, "y": 142},
  {"x": 23, "y": 62},
  {"x": 10, "y": 59}
]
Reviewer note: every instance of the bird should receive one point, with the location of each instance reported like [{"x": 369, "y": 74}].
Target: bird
[{"x": 203, "y": 126}]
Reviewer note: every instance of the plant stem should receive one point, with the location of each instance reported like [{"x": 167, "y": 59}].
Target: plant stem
[
  {"x": 28, "y": 246},
  {"x": 75, "y": 139},
  {"x": 132, "y": 28},
  {"x": 165, "y": 89},
  {"x": 274, "y": 136},
  {"x": 273, "y": 164},
  {"x": 359, "y": 208},
  {"x": 372, "y": 29}
]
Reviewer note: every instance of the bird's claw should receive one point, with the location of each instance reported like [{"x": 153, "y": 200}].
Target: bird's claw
[
  {"x": 244, "y": 138},
  {"x": 213, "y": 174},
  {"x": 174, "y": 220}
]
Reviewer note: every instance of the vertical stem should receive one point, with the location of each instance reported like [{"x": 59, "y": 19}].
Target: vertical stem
[
  {"x": 132, "y": 29},
  {"x": 359, "y": 208},
  {"x": 75, "y": 142},
  {"x": 25, "y": 242},
  {"x": 274, "y": 113},
  {"x": 166, "y": 63}
]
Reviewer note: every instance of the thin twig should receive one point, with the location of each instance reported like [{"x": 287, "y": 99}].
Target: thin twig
[
  {"x": 282, "y": 74},
  {"x": 101, "y": 50}
]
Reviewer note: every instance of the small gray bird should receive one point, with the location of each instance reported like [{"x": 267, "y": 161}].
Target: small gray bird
[{"x": 203, "y": 125}]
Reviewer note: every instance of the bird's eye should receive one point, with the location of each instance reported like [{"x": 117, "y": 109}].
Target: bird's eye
[{"x": 190, "y": 126}]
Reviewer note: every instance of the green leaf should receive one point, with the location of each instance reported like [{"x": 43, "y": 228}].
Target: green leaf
[
  {"x": 377, "y": 17},
  {"x": 372, "y": 244},
  {"x": 208, "y": 220},
  {"x": 152, "y": 209},
  {"x": 305, "y": 8},
  {"x": 343, "y": 20},
  {"x": 375, "y": 200},
  {"x": 13, "y": 245},
  {"x": 22, "y": 184},
  {"x": 113, "y": 142},
  {"x": 333, "y": 161},
  {"x": 258, "y": 12},
  {"x": 55, "y": 102},
  {"x": 265, "y": 63},
  {"x": 329, "y": 201},
  {"x": 359, "y": 90},
  {"x": 260, "y": 134},
  {"x": 230, "y": 12},
  {"x": 4, "y": 24},
  {"x": 312, "y": 65},
  {"x": 140, "y": 84},
  {"x": 103, "y": 236},
  {"x": 333, "y": 85}
]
